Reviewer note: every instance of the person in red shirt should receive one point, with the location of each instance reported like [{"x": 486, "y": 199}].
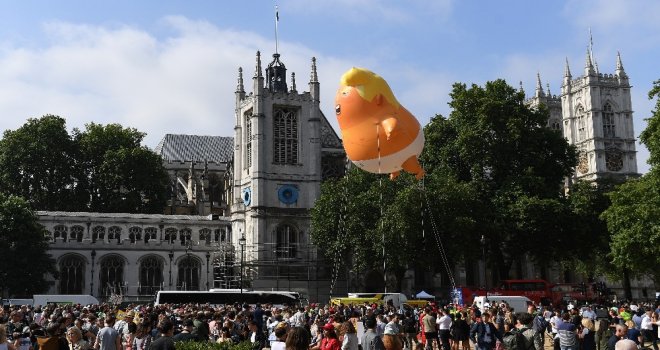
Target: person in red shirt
[{"x": 330, "y": 340}]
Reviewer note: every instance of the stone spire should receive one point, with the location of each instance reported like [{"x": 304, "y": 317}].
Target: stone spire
[
  {"x": 239, "y": 86},
  {"x": 314, "y": 78},
  {"x": 314, "y": 88},
  {"x": 567, "y": 70},
  {"x": 521, "y": 87},
  {"x": 257, "y": 69},
  {"x": 547, "y": 85},
  {"x": 619, "y": 66},
  {"x": 539, "y": 88},
  {"x": 589, "y": 66},
  {"x": 293, "y": 82}
]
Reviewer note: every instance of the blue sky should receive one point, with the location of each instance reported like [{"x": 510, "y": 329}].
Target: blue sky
[{"x": 170, "y": 66}]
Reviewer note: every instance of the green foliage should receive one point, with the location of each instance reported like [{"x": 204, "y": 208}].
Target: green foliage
[
  {"x": 102, "y": 168},
  {"x": 38, "y": 162},
  {"x": 194, "y": 345},
  {"x": 651, "y": 135},
  {"x": 634, "y": 220},
  {"x": 23, "y": 248}
]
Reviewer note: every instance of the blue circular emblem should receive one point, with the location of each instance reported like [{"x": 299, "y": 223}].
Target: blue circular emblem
[{"x": 288, "y": 194}]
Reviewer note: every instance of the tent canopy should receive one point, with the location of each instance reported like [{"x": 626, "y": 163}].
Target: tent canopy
[{"x": 424, "y": 295}]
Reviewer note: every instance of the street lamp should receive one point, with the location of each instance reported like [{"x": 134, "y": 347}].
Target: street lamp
[
  {"x": 241, "y": 242},
  {"x": 91, "y": 287},
  {"x": 171, "y": 255},
  {"x": 208, "y": 257}
]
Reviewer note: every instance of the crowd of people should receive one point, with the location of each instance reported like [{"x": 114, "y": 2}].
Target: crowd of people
[{"x": 342, "y": 327}]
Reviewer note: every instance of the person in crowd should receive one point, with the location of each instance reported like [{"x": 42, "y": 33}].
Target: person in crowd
[
  {"x": 587, "y": 334},
  {"x": 164, "y": 341},
  {"x": 625, "y": 344},
  {"x": 567, "y": 333},
  {"x": 4, "y": 344},
  {"x": 186, "y": 332},
  {"x": 75, "y": 339},
  {"x": 391, "y": 340},
  {"x": 370, "y": 339},
  {"x": 647, "y": 330},
  {"x": 619, "y": 333},
  {"x": 429, "y": 325},
  {"x": 280, "y": 339},
  {"x": 142, "y": 338},
  {"x": 297, "y": 338},
  {"x": 461, "y": 332},
  {"x": 484, "y": 334},
  {"x": 108, "y": 337},
  {"x": 444, "y": 325},
  {"x": 224, "y": 336},
  {"x": 330, "y": 339},
  {"x": 258, "y": 339},
  {"x": 348, "y": 336}
]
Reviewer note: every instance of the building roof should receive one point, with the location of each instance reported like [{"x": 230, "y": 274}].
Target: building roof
[{"x": 197, "y": 148}]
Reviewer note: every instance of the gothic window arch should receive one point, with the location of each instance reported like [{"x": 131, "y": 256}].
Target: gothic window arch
[
  {"x": 114, "y": 233},
  {"x": 188, "y": 276},
  {"x": 151, "y": 275},
  {"x": 581, "y": 124},
  {"x": 77, "y": 233},
  {"x": 111, "y": 275},
  {"x": 135, "y": 234},
  {"x": 60, "y": 231},
  {"x": 285, "y": 136},
  {"x": 221, "y": 235},
  {"x": 170, "y": 235},
  {"x": 205, "y": 236},
  {"x": 185, "y": 234},
  {"x": 72, "y": 274},
  {"x": 248, "y": 139},
  {"x": 286, "y": 238},
  {"x": 150, "y": 234},
  {"x": 98, "y": 233},
  {"x": 608, "y": 121}
]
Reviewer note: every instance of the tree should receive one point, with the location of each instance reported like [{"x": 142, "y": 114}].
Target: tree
[
  {"x": 38, "y": 162},
  {"x": 503, "y": 150},
  {"x": 103, "y": 168},
  {"x": 23, "y": 250},
  {"x": 122, "y": 175}
]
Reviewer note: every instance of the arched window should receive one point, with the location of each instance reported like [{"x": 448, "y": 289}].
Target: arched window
[
  {"x": 608, "y": 121},
  {"x": 72, "y": 274},
  {"x": 77, "y": 233},
  {"x": 114, "y": 233},
  {"x": 111, "y": 275},
  {"x": 151, "y": 275},
  {"x": 286, "y": 242},
  {"x": 135, "y": 234},
  {"x": 188, "y": 278},
  {"x": 222, "y": 236},
  {"x": 285, "y": 136},
  {"x": 581, "y": 124},
  {"x": 205, "y": 236},
  {"x": 248, "y": 139},
  {"x": 170, "y": 235},
  {"x": 60, "y": 231},
  {"x": 184, "y": 235},
  {"x": 98, "y": 233},
  {"x": 150, "y": 234}
]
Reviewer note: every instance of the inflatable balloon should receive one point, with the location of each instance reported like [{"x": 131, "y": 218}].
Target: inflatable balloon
[{"x": 379, "y": 134}]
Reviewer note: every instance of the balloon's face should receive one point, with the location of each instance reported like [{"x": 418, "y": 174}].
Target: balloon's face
[{"x": 352, "y": 109}]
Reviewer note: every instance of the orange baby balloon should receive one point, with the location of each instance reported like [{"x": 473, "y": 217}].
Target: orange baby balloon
[{"x": 379, "y": 135}]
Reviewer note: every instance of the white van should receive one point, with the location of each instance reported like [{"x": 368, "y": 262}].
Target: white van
[
  {"x": 16, "y": 301},
  {"x": 64, "y": 299},
  {"x": 518, "y": 304}
]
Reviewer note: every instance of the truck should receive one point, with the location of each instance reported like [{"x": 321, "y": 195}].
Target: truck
[{"x": 517, "y": 303}]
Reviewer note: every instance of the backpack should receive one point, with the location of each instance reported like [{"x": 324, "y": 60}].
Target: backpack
[
  {"x": 513, "y": 340},
  {"x": 540, "y": 324}
]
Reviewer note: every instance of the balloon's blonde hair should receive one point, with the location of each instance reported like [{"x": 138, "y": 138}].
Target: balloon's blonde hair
[{"x": 368, "y": 84}]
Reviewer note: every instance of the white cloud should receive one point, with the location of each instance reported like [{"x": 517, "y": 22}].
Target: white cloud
[{"x": 368, "y": 10}]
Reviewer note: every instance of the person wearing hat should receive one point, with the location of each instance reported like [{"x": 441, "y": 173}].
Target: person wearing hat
[{"x": 330, "y": 340}]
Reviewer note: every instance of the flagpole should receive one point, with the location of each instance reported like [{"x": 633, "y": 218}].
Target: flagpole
[{"x": 277, "y": 19}]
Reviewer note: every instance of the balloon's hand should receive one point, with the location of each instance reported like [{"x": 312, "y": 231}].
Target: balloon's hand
[{"x": 389, "y": 125}]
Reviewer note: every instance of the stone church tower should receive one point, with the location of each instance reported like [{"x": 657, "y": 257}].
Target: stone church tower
[
  {"x": 277, "y": 168},
  {"x": 594, "y": 112}
]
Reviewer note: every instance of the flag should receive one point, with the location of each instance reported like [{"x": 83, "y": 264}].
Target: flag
[{"x": 277, "y": 14}]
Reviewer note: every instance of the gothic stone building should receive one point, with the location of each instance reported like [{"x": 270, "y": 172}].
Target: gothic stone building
[{"x": 238, "y": 206}]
